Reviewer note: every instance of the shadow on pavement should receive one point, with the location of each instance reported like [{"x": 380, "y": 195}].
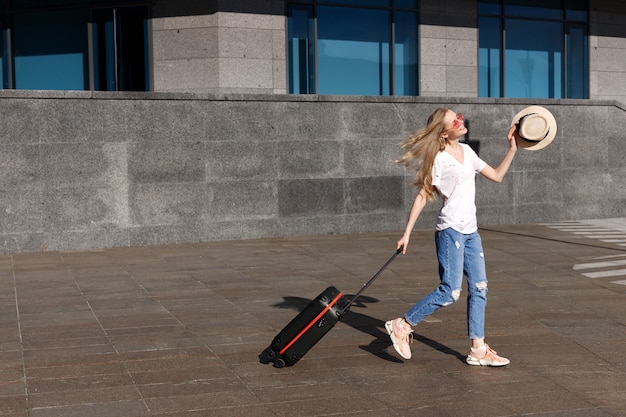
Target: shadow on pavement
[{"x": 381, "y": 343}]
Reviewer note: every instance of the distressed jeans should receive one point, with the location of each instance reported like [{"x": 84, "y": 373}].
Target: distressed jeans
[{"x": 458, "y": 254}]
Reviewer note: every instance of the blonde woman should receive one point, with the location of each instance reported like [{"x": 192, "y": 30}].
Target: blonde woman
[{"x": 446, "y": 169}]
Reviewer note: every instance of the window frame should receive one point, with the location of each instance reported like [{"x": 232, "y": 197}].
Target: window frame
[
  {"x": 8, "y": 10},
  {"x": 566, "y": 23},
  {"x": 312, "y": 68}
]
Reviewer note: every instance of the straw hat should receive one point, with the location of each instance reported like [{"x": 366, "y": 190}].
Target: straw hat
[{"x": 536, "y": 128}]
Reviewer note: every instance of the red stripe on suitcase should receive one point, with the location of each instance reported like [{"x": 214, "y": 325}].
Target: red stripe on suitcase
[{"x": 319, "y": 316}]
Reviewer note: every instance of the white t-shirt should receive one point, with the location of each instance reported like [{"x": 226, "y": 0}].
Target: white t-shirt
[{"x": 456, "y": 183}]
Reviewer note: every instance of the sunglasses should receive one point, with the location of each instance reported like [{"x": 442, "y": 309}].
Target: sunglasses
[{"x": 458, "y": 122}]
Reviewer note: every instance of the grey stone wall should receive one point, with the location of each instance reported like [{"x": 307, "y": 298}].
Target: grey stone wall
[
  {"x": 448, "y": 39},
  {"x": 81, "y": 170},
  {"x": 218, "y": 46},
  {"x": 607, "y": 50}
]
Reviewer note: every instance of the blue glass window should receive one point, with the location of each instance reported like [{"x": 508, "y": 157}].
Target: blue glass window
[
  {"x": 489, "y": 59},
  {"x": 50, "y": 49},
  {"x": 532, "y": 50},
  {"x": 577, "y": 53},
  {"x": 369, "y": 50},
  {"x": 353, "y": 51},
  {"x": 405, "y": 54},
  {"x": 533, "y": 59},
  {"x": 3, "y": 52},
  {"x": 120, "y": 49},
  {"x": 301, "y": 50}
]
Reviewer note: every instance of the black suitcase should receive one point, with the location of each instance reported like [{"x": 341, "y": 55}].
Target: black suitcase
[{"x": 311, "y": 324}]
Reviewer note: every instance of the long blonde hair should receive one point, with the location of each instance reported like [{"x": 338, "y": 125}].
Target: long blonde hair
[{"x": 422, "y": 148}]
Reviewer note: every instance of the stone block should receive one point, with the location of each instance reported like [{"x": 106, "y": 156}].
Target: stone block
[
  {"x": 194, "y": 43},
  {"x": 83, "y": 165},
  {"x": 373, "y": 194},
  {"x": 489, "y": 193},
  {"x": 433, "y": 51},
  {"x": 609, "y": 84},
  {"x": 461, "y": 81},
  {"x": 21, "y": 210},
  {"x": 535, "y": 187},
  {"x": 22, "y": 243},
  {"x": 608, "y": 60},
  {"x": 548, "y": 159},
  {"x": 77, "y": 209},
  {"x": 166, "y": 162},
  {"x": 246, "y": 73},
  {"x": 19, "y": 167},
  {"x": 371, "y": 157},
  {"x": 432, "y": 79},
  {"x": 310, "y": 198},
  {"x": 578, "y": 187},
  {"x": 167, "y": 204},
  {"x": 495, "y": 214},
  {"x": 75, "y": 240},
  {"x": 245, "y": 43},
  {"x": 279, "y": 46},
  {"x": 547, "y": 211},
  {"x": 239, "y": 160},
  {"x": 461, "y": 53},
  {"x": 372, "y": 121},
  {"x": 255, "y": 20},
  {"x": 309, "y": 159},
  {"x": 23, "y": 121},
  {"x": 241, "y": 200},
  {"x": 280, "y": 76},
  {"x": 585, "y": 151},
  {"x": 173, "y": 22},
  {"x": 189, "y": 74},
  {"x": 272, "y": 121},
  {"x": 71, "y": 121}
]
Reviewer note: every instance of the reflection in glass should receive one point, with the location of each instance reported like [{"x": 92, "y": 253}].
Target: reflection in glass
[
  {"x": 50, "y": 50},
  {"x": 490, "y": 47},
  {"x": 300, "y": 29},
  {"x": 533, "y": 59},
  {"x": 353, "y": 51},
  {"x": 405, "y": 54},
  {"x": 577, "y": 62}
]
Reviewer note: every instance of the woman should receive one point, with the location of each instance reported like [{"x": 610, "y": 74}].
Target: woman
[{"x": 447, "y": 169}]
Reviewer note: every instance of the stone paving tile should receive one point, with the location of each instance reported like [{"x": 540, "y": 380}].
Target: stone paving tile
[{"x": 176, "y": 330}]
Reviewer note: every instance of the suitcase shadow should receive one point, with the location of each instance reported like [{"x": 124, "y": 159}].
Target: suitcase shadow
[{"x": 381, "y": 345}]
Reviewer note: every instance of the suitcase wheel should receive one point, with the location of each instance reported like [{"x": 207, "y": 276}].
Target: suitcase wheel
[
  {"x": 279, "y": 363},
  {"x": 267, "y": 356}
]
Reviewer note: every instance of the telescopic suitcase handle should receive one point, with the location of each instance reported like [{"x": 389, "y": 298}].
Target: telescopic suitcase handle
[{"x": 368, "y": 283}]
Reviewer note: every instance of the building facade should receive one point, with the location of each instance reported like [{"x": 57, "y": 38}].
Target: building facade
[
  {"x": 450, "y": 48},
  {"x": 247, "y": 47},
  {"x": 136, "y": 123}
]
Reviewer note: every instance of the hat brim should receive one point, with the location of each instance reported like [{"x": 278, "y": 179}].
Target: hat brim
[{"x": 532, "y": 145}]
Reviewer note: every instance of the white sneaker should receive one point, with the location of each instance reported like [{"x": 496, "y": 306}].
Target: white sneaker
[
  {"x": 490, "y": 358},
  {"x": 401, "y": 335}
]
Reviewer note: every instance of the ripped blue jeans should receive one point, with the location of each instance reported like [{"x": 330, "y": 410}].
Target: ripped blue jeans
[{"x": 458, "y": 254}]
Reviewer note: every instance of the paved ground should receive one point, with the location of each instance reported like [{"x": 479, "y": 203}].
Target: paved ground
[{"x": 176, "y": 330}]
